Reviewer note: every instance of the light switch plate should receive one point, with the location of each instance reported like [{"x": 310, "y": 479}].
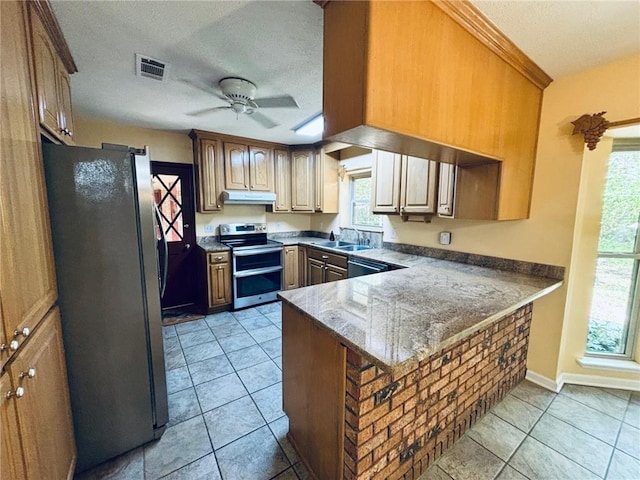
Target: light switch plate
[
  {"x": 209, "y": 228},
  {"x": 445, "y": 238}
]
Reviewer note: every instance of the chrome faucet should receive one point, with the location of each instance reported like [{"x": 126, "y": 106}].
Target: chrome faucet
[{"x": 357, "y": 235}]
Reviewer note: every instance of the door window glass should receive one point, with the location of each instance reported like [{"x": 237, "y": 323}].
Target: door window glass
[{"x": 167, "y": 192}]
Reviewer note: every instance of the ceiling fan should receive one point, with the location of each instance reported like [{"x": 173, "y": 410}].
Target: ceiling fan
[{"x": 240, "y": 93}]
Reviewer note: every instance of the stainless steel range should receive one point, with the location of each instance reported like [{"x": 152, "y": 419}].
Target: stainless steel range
[{"x": 257, "y": 263}]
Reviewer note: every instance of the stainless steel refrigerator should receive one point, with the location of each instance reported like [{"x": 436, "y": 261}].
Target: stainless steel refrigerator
[{"x": 104, "y": 241}]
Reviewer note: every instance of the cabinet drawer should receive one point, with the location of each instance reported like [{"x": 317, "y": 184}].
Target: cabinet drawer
[
  {"x": 330, "y": 258},
  {"x": 218, "y": 257}
]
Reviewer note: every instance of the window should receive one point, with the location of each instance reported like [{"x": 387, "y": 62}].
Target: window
[
  {"x": 361, "y": 215},
  {"x": 615, "y": 304}
]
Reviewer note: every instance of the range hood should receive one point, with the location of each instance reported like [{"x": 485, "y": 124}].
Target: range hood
[{"x": 239, "y": 197}]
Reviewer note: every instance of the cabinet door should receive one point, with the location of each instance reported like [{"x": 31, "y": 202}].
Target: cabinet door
[
  {"x": 385, "y": 181},
  {"x": 45, "y": 61},
  {"x": 27, "y": 274},
  {"x": 302, "y": 181},
  {"x": 208, "y": 160},
  {"x": 334, "y": 273},
  {"x": 11, "y": 456},
  {"x": 446, "y": 187},
  {"x": 282, "y": 181},
  {"x": 65, "y": 117},
  {"x": 302, "y": 263},
  {"x": 318, "y": 172},
  {"x": 418, "y": 186},
  {"x": 236, "y": 167},
  {"x": 260, "y": 169},
  {"x": 315, "y": 272},
  {"x": 219, "y": 284},
  {"x": 291, "y": 268},
  {"x": 44, "y": 412}
]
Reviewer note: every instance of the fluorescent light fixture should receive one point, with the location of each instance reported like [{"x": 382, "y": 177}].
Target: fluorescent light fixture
[{"x": 311, "y": 127}]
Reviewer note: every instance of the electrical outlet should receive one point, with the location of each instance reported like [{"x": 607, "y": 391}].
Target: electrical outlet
[
  {"x": 208, "y": 228},
  {"x": 444, "y": 238},
  {"x": 278, "y": 226},
  {"x": 321, "y": 225},
  {"x": 392, "y": 233}
]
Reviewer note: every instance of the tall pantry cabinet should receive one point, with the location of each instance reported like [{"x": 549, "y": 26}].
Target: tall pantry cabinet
[{"x": 36, "y": 436}]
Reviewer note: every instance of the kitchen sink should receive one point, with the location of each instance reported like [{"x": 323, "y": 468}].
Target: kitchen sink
[
  {"x": 335, "y": 244},
  {"x": 353, "y": 248}
]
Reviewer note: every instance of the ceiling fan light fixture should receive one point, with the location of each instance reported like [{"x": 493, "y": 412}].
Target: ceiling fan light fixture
[{"x": 312, "y": 127}]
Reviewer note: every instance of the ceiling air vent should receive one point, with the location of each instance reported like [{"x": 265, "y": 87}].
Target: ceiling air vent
[{"x": 150, "y": 67}]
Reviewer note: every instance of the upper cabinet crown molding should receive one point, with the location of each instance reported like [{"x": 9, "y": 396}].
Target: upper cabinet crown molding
[
  {"x": 474, "y": 21},
  {"x": 51, "y": 25}
]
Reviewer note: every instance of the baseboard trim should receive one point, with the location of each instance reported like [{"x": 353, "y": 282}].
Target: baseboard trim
[
  {"x": 553, "y": 385},
  {"x": 601, "y": 381},
  {"x": 582, "y": 379}
]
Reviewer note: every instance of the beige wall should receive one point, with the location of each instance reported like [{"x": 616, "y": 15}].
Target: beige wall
[{"x": 166, "y": 146}]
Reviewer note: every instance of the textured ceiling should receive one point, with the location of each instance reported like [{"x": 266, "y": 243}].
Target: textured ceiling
[{"x": 278, "y": 46}]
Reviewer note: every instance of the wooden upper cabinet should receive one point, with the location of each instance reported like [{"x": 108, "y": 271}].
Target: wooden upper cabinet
[
  {"x": 282, "y": 181},
  {"x": 44, "y": 412},
  {"x": 260, "y": 169},
  {"x": 302, "y": 181},
  {"x": 446, "y": 190},
  {"x": 248, "y": 167},
  {"x": 385, "y": 182},
  {"x": 65, "y": 116},
  {"x": 418, "y": 186},
  {"x": 326, "y": 182},
  {"x": 207, "y": 157},
  {"x": 27, "y": 271},
  {"x": 46, "y": 73},
  {"x": 236, "y": 166},
  {"x": 433, "y": 80},
  {"x": 53, "y": 88}
]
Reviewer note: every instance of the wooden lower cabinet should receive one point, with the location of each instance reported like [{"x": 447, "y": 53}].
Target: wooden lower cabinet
[
  {"x": 315, "y": 271},
  {"x": 44, "y": 425},
  {"x": 11, "y": 458},
  {"x": 325, "y": 267},
  {"x": 313, "y": 387},
  {"x": 291, "y": 268},
  {"x": 302, "y": 265},
  {"x": 219, "y": 279}
]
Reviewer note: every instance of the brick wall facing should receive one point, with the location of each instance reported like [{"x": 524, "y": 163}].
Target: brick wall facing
[{"x": 396, "y": 426}]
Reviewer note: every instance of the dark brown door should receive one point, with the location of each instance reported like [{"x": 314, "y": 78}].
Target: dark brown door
[{"x": 173, "y": 193}]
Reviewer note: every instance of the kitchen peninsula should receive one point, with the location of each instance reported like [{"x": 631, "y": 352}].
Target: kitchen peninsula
[{"x": 382, "y": 373}]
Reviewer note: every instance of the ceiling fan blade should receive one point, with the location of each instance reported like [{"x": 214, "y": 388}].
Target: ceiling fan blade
[
  {"x": 206, "y": 111},
  {"x": 203, "y": 87},
  {"x": 263, "y": 120},
  {"x": 285, "y": 101}
]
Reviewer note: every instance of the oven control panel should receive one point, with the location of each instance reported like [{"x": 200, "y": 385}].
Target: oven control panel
[{"x": 242, "y": 228}]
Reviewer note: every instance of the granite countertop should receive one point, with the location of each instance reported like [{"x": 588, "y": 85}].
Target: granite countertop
[
  {"x": 400, "y": 317},
  {"x": 210, "y": 244}
]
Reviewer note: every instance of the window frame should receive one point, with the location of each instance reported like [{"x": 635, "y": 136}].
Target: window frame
[
  {"x": 355, "y": 175},
  {"x": 632, "y": 322}
]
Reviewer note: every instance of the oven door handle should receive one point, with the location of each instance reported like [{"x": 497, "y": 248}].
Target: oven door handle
[
  {"x": 256, "y": 271},
  {"x": 255, "y": 251}
]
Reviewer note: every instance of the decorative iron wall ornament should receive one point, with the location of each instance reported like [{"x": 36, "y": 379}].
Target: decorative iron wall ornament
[{"x": 592, "y": 127}]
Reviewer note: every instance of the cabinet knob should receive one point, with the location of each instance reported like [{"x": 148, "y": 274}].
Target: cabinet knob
[
  {"x": 24, "y": 332},
  {"x": 29, "y": 373},
  {"x": 220, "y": 267},
  {"x": 13, "y": 346},
  {"x": 324, "y": 257},
  {"x": 187, "y": 246},
  {"x": 219, "y": 257},
  {"x": 326, "y": 268},
  {"x": 218, "y": 206},
  {"x": 19, "y": 393}
]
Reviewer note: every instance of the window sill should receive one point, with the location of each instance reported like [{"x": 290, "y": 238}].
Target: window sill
[{"x": 611, "y": 364}]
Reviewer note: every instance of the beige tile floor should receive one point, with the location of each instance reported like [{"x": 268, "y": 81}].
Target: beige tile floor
[{"x": 226, "y": 421}]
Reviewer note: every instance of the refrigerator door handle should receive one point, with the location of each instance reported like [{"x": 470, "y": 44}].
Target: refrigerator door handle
[{"x": 165, "y": 266}]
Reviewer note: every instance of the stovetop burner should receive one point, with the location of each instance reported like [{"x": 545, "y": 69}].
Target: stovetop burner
[{"x": 240, "y": 235}]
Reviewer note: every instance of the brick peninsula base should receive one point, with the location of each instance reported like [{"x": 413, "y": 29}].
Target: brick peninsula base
[{"x": 350, "y": 419}]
